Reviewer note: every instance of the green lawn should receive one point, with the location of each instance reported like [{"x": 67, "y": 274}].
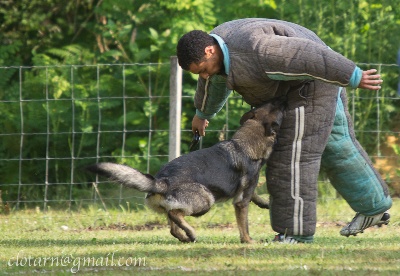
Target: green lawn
[{"x": 93, "y": 241}]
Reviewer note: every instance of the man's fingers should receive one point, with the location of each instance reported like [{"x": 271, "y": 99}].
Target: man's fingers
[
  {"x": 201, "y": 131},
  {"x": 373, "y": 80},
  {"x": 372, "y": 87},
  {"x": 199, "y": 125},
  {"x": 376, "y": 82},
  {"x": 370, "y": 80},
  {"x": 370, "y": 71}
]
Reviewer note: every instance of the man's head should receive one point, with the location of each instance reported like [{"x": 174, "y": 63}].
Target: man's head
[{"x": 199, "y": 53}]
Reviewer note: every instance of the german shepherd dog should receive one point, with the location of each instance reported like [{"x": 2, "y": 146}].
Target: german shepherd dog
[{"x": 190, "y": 184}]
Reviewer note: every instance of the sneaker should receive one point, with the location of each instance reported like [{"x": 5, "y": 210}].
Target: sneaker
[
  {"x": 282, "y": 238},
  {"x": 361, "y": 222}
]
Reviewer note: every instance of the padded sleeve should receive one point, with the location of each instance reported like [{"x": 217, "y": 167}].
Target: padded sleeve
[
  {"x": 288, "y": 58},
  {"x": 211, "y": 95}
]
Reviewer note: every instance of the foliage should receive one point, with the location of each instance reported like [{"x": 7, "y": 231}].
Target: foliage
[
  {"x": 362, "y": 30},
  {"x": 64, "y": 99}
]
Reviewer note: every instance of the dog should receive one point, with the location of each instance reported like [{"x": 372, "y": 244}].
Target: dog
[{"x": 190, "y": 184}]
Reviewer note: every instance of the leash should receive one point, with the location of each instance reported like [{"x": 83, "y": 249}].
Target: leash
[{"x": 195, "y": 141}]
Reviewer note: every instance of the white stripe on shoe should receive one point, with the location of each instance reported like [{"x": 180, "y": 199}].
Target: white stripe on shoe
[
  {"x": 295, "y": 172},
  {"x": 361, "y": 222}
]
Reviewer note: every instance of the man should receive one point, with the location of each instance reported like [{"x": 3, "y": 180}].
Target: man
[{"x": 264, "y": 59}]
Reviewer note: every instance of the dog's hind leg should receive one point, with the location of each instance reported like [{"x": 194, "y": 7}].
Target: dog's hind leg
[
  {"x": 241, "y": 212},
  {"x": 259, "y": 201},
  {"x": 178, "y": 217},
  {"x": 178, "y": 232}
]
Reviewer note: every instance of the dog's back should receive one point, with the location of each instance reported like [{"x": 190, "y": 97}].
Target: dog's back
[{"x": 221, "y": 168}]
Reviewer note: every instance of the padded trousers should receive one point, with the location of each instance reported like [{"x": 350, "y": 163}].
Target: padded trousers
[{"x": 317, "y": 130}]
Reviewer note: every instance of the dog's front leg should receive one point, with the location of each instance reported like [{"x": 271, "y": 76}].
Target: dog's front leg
[
  {"x": 241, "y": 204},
  {"x": 241, "y": 212}
]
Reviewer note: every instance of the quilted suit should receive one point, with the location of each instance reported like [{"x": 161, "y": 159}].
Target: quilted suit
[{"x": 265, "y": 59}]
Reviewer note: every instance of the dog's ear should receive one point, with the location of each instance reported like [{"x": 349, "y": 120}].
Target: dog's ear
[
  {"x": 246, "y": 116},
  {"x": 271, "y": 129},
  {"x": 268, "y": 129}
]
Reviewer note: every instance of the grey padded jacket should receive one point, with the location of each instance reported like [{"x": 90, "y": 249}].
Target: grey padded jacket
[{"x": 267, "y": 59}]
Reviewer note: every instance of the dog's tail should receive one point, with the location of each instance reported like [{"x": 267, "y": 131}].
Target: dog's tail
[{"x": 129, "y": 177}]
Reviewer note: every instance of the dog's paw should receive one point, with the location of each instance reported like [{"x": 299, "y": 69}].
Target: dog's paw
[
  {"x": 187, "y": 240},
  {"x": 249, "y": 240}
]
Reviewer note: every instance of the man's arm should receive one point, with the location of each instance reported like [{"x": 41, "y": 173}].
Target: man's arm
[
  {"x": 210, "y": 97},
  {"x": 288, "y": 58},
  {"x": 311, "y": 60}
]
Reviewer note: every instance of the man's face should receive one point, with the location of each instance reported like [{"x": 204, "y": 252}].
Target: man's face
[{"x": 211, "y": 64}]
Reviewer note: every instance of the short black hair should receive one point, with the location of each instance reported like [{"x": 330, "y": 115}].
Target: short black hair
[{"x": 190, "y": 48}]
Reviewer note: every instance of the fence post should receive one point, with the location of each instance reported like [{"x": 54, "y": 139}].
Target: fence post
[{"x": 175, "y": 107}]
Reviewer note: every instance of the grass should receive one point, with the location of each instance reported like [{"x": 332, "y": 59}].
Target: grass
[{"x": 93, "y": 241}]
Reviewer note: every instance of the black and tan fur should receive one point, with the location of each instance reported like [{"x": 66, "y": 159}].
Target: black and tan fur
[{"x": 190, "y": 184}]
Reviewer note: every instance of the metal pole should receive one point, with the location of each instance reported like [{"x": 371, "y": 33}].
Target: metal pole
[{"x": 175, "y": 107}]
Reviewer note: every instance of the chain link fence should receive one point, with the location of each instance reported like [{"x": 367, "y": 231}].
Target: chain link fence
[{"x": 58, "y": 119}]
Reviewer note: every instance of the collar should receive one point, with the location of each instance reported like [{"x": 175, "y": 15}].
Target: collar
[{"x": 225, "y": 51}]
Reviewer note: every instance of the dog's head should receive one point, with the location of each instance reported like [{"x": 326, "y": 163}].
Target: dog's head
[
  {"x": 270, "y": 115},
  {"x": 258, "y": 133}
]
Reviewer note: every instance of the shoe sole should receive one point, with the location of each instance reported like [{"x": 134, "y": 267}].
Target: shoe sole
[{"x": 379, "y": 224}]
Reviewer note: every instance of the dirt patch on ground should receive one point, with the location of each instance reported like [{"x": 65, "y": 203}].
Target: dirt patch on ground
[
  {"x": 221, "y": 225},
  {"x": 151, "y": 226},
  {"x": 331, "y": 224},
  {"x": 123, "y": 226}
]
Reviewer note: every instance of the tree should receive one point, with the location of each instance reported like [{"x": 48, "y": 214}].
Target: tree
[{"x": 102, "y": 33}]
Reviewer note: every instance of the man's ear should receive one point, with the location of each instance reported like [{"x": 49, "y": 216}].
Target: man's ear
[{"x": 209, "y": 51}]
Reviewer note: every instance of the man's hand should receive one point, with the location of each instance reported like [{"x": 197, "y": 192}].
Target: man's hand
[
  {"x": 200, "y": 125},
  {"x": 370, "y": 80}
]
